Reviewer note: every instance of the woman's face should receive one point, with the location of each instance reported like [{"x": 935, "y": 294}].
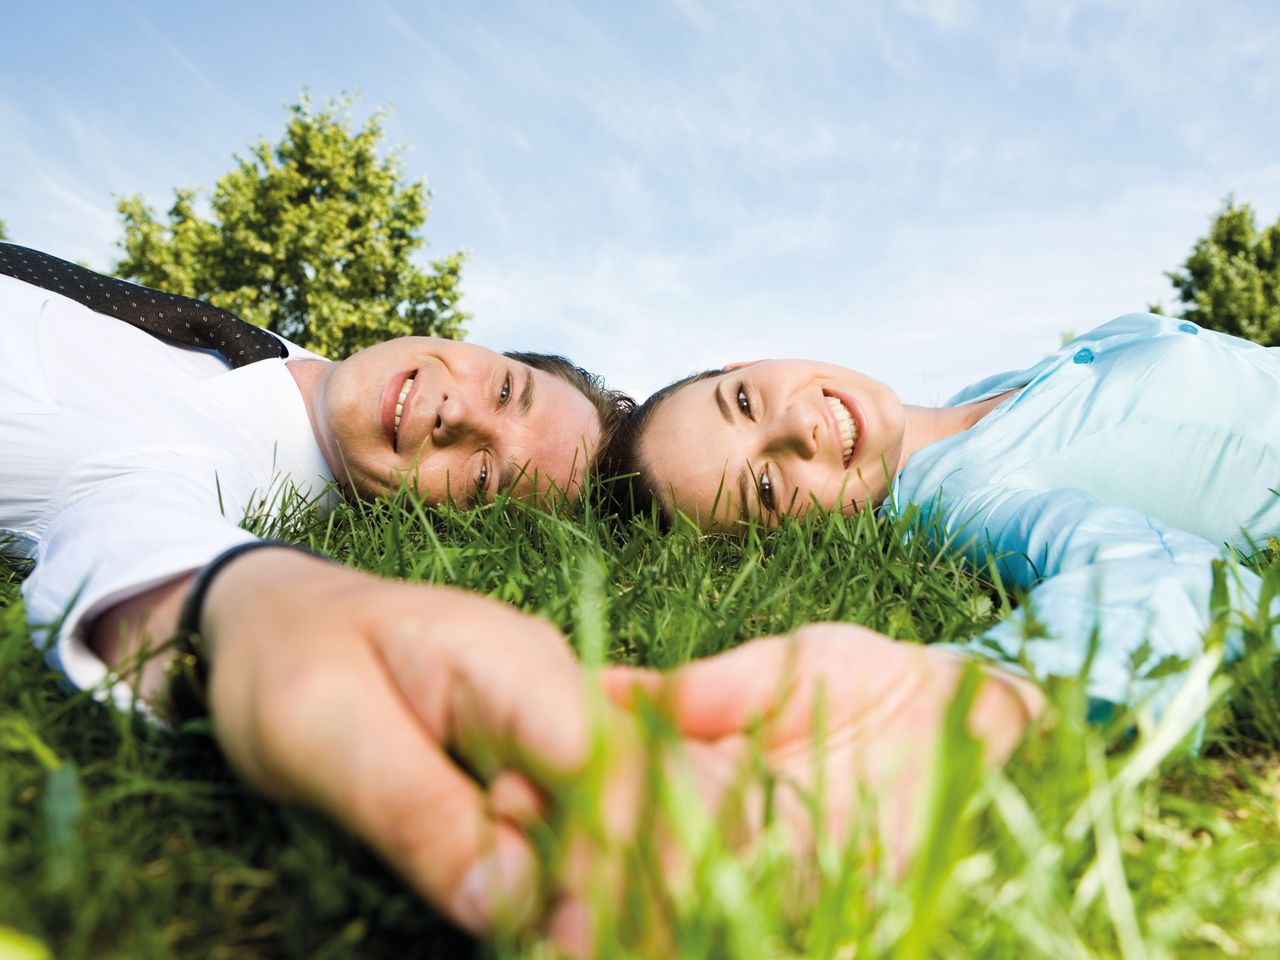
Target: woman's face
[{"x": 767, "y": 439}]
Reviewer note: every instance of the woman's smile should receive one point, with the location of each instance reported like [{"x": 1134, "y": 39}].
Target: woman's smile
[
  {"x": 769, "y": 439},
  {"x": 845, "y": 424}
]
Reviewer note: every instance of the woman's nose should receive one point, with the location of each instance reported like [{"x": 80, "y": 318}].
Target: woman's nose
[{"x": 794, "y": 430}]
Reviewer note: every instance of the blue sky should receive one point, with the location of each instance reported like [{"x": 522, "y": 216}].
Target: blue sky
[{"x": 927, "y": 190}]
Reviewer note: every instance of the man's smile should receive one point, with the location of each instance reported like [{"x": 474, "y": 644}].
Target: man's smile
[
  {"x": 404, "y": 392},
  {"x": 394, "y": 399}
]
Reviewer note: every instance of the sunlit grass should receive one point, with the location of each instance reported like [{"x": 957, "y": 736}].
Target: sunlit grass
[{"x": 123, "y": 841}]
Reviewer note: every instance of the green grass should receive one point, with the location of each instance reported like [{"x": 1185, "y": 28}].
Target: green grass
[{"x": 123, "y": 841}]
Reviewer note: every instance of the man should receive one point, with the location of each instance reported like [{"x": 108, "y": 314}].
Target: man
[
  {"x": 127, "y": 460},
  {"x": 160, "y": 449}
]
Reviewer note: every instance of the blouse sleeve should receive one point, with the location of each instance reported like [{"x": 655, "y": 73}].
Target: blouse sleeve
[{"x": 1107, "y": 580}]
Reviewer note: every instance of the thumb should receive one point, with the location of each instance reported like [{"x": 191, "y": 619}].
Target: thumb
[
  {"x": 720, "y": 695},
  {"x": 623, "y": 684}
]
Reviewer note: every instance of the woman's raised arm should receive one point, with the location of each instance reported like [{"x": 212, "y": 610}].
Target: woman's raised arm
[{"x": 1103, "y": 580}]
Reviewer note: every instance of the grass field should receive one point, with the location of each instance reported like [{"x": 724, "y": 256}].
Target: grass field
[{"x": 124, "y": 841}]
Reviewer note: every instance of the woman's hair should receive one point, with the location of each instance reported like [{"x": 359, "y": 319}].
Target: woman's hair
[
  {"x": 629, "y": 485},
  {"x": 612, "y": 406}
]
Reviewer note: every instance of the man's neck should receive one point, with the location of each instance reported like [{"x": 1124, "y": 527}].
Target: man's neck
[{"x": 309, "y": 375}]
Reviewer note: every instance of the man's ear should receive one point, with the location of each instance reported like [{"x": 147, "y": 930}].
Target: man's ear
[{"x": 738, "y": 365}]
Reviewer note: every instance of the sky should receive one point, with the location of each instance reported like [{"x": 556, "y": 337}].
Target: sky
[{"x": 929, "y": 191}]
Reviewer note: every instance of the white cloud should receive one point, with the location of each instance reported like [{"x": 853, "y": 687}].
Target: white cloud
[
  {"x": 942, "y": 14},
  {"x": 946, "y": 307},
  {"x": 928, "y": 190}
]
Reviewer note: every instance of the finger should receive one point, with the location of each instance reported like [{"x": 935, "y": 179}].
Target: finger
[
  {"x": 339, "y": 737},
  {"x": 600, "y": 870},
  {"x": 723, "y": 694},
  {"x": 499, "y": 686},
  {"x": 513, "y": 798},
  {"x": 569, "y": 927},
  {"x": 529, "y": 708},
  {"x": 622, "y": 684}
]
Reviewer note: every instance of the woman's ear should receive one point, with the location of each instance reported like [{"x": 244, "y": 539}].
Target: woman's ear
[{"x": 738, "y": 365}]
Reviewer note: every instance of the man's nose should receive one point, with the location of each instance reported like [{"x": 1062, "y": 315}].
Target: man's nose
[
  {"x": 458, "y": 420},
  {"x": 793, "y": 429}
]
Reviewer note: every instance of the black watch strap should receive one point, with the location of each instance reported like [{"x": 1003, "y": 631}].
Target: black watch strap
[{"x": 189, "y": 669}]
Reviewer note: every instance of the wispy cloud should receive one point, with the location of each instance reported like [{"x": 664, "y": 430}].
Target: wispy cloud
[
  {"x": 218, "y": 89},
  {"x": 928, "y": 189}
]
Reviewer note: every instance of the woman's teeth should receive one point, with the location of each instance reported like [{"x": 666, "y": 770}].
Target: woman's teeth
[
  {"x": 848, "y": 427},
  {"x": 404, "y": 392}
]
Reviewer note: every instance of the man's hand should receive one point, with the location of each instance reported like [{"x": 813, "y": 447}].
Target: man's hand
[{"x": 347, "y": 693}]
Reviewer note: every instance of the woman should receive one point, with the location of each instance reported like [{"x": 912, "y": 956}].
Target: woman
[{"x": 1105, "y": 479}]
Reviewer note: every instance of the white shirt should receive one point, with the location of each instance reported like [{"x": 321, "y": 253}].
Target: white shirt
[{"x": 126, "y": 461}]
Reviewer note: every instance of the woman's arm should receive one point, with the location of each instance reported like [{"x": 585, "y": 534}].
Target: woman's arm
[{"x": 1103, "y": 581}]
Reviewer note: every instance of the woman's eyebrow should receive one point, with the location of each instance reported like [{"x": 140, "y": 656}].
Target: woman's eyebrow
[{"x": 723, "y": 404}]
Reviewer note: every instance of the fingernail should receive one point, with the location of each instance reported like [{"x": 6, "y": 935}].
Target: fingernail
[{"x": 498, "y": 892}]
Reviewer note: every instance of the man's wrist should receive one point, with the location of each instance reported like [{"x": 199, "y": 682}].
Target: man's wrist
[{"x": 189, "y": 669}]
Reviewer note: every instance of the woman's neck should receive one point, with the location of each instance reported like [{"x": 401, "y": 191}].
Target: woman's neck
[{"x": 926, "y": 425}]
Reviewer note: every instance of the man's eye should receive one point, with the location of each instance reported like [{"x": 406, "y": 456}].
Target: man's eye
[
  {"x": 505, "y": 393},
  {"x": 766, "y": 491},
  {"x": 482, "y": 477},
  {"x": 743, "y": 403}
]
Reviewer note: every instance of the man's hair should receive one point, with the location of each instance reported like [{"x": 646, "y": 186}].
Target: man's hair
[
  {"x": 612, "y": 406},
  {"x": 629, "y": 485}
]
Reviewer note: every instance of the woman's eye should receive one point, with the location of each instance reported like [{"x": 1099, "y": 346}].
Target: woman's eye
[
  {"x": 766, "y": 491},
  {"x": 505, "y": 393},
  {"x": 482, "y": 477},
  {"x": 743, "y": 403}
]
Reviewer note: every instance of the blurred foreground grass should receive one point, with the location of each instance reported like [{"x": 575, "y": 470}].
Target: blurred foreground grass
[{"x": 123, "y": 841}]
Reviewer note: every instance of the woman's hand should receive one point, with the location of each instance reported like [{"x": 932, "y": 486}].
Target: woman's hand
[
  {"x": 881, "y": 706},
  {"x": 832, "y": 704}
]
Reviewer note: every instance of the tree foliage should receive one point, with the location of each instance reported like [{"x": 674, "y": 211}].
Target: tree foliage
[
  {"x": 1231, "y": 279},
  {"x": 310, "y": 237},
  {"x": 3, "y": 233}
]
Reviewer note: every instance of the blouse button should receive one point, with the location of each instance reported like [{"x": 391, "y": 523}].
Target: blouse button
[
  {"x": 1190, "y": 328},
  {"x": 1083, "y": 355}
]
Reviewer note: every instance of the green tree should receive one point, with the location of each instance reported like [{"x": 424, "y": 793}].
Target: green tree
[
  {"x": 310, "y": 237},
  {"x": 3, "y": 233},
  {"x": 1231, "y": 279}
]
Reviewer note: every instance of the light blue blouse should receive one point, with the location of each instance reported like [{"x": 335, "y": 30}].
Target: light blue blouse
[{"x": 1107, "y": 487}]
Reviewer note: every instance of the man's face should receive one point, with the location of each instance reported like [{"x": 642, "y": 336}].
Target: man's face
[{"x": 451, "y": 419}]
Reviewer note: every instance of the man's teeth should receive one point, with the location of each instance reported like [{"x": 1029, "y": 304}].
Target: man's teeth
[
  {"x": 848, "y": 427},
  {"x": 404, "y": 392}
]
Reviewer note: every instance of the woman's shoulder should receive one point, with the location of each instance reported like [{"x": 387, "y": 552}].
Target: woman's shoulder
[{"x": 1129, "y": 328}]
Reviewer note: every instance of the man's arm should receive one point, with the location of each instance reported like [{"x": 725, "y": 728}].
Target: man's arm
[
  {"x": 346, "y": 692},
  {"x": 134, "y": 632}
]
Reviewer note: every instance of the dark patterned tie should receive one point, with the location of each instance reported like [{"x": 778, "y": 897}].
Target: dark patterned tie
[{"x": 183, "y": 319}]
